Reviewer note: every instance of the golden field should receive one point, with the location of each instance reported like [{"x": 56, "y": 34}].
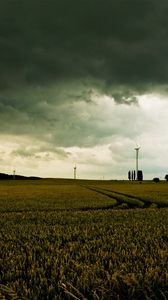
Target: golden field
[{"x": 81, "y": 239}]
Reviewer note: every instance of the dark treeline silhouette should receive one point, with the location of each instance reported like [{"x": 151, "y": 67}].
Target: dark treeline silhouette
[
  {"x": 4, "y": 176},
  {"x": 132, "y": 175}
]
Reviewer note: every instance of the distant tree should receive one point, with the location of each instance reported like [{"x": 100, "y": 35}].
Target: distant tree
[
  {"x": 129, "y": 175},
  {"x": 140, "y": 175},
  {"x": 156, "y": 179},
  {"x": 166, "y": 177},
  {"x": 134, "y": 175}
]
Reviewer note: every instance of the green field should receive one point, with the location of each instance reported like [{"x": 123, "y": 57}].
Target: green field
[{"x": 77, "y": 239}]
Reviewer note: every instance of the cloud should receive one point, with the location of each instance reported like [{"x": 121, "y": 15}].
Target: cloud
[
  {"x": 68, "y": 123},
  {"x": 73, "y": 77},
  {"x": 100, "y": 137},
  {"x": 116, "y": 42}
]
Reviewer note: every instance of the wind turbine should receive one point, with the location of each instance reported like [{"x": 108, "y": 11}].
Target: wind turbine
[
  {"x": 137, "y": 152},
  {"x": 75, "y": 171}
]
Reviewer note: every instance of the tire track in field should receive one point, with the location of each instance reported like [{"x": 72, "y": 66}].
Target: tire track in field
[
  {"x": 138, "y": 201},
  {"x": 116, "y": 196},
  {"x": 147, "y": 203}
]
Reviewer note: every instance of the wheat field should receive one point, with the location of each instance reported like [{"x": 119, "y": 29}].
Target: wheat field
[{"x": 81, "y": 239}]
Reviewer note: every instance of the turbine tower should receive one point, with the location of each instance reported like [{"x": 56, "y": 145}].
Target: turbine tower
[
  {"x": 137, "y": 150},
  {"x": 14, "y": 173},
  {"x": 75, "y": 172}
]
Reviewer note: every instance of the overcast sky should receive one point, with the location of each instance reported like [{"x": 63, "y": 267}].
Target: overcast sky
[{"x": 83, "y": 81}]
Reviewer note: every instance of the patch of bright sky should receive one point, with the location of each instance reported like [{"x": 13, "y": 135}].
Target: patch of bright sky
[{"x": 144, "y": 123}]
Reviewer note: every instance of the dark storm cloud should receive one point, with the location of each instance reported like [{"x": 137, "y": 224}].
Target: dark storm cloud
[
  {"x": 119, "y": 42},
  {"x": 55, "y": 54}
]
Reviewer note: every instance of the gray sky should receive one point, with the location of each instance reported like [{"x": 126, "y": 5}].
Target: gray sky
[{"x": 83, "y": 81}]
